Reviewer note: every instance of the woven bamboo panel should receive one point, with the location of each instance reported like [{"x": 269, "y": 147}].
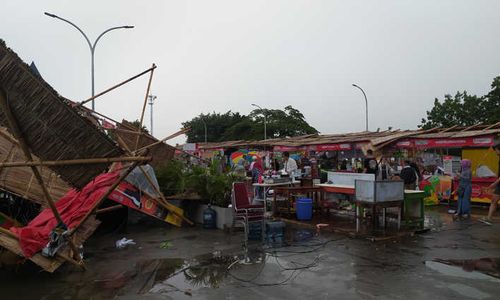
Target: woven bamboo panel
[
  {"x": 20, "y": 180},
  {"x": 52, "y": 128}
]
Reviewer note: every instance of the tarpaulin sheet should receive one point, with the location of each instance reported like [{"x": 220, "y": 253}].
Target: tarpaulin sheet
[{"x": 72, "y": 208}]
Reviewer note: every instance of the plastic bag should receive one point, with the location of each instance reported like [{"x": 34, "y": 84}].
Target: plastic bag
[
  {"x": 484, "y": 171},
  {"x": 124, "y": 242}
]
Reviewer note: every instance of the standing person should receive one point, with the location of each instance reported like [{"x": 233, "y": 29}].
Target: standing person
[
  {"x": 495, "y": 187},
  {"x": 417, "y": 172},
  {"x": 290, "y": 165},
  {"x": 370, "y": 163},
  {"x": 409, "y": 176},
  {"x": 464, "y": 189},
  {"x": 358, "y": 166},
  {"x": 256, "y": 169},
  {"x": 385, "y": 172}
]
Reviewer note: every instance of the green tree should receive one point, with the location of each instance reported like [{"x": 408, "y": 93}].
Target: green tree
[
  {"x": 217, "y": 124},
  {"x": 465, "y": 110},
  {"x": 233, "y": 126}
]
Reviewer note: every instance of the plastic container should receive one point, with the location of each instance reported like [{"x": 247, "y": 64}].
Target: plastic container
[
  {"x": 209, "y": 218},
  {"x": 304, "y": 208}
]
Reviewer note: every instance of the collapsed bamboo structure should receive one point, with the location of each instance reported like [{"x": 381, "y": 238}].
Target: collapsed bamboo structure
[
  {"x": 49, "y": 145},
  {"x": 52, "y": 129}
]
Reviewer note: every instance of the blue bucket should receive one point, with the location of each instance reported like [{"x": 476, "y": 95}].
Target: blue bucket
[{"x": 304, "y": 208}]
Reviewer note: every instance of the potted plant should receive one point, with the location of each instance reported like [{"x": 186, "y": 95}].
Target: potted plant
[{"x": 210, "y": 183}]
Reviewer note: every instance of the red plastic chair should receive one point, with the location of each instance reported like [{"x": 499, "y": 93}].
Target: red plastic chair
[{"x": 243, "y": 211}]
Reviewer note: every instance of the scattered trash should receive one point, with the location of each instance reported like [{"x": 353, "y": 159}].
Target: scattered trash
[
  {"x": 166, "y": 245},
  {"x": 485, "y": 221},
  {"x": 319, "y": 226},
  {"x": 124, "y": 242}
]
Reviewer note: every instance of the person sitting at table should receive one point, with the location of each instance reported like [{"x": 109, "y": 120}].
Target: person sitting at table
[{"x": 290, "y": 165}]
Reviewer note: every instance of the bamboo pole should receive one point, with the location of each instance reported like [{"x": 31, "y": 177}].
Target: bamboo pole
[
  {"x": 16, "y": 130},
  {"x": 128, "y": 131},
  {"x": 116, "y": 86},
  {"x": 144, "y": 108},
  {"x": 108, "y": 209},
  {"x": 84, "y": 161}
]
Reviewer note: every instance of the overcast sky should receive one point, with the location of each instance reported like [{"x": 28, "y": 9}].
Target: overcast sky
[{"x": 225, "y": 55}]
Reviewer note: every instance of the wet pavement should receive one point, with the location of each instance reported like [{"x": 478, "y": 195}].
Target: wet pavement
[{"x": 453, "y": 260}]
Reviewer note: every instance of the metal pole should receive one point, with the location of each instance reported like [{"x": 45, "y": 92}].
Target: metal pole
[
  {"x": 265, "y": 120},
  {"x": 366, "y": 103},
  {"x": 152, "y": 98},
  {"x": 91, "y": 46}
]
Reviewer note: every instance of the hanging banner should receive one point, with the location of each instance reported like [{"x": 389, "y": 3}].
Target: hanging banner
[
  {"x": 287, "y": 148},
  {"x": 190, "y": 147},
  {"x": 485, "y": 141},
  {"x": 333, "y": 147}
]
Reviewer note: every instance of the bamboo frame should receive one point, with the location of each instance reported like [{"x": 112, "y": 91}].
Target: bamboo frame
[
  {"x": 14, "y": 126},
  {"x": 144, "y": 108},
  {"x": 116, "y": 86}
]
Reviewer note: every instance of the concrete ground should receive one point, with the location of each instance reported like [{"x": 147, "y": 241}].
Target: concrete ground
[{"x": 194, "y": 263}]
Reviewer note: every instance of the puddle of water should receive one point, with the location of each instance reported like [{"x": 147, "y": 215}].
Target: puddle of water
[
  {"x": 186, "y": 276},
  {"x": 480, "y": 269}
]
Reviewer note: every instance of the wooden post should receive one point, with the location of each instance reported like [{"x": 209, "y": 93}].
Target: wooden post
[
  {"x": 144, "y": 107},
  {"x": 16, "y": 131}
]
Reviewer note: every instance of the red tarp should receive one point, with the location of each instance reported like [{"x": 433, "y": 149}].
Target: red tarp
[{"x": 72, "y": 207}]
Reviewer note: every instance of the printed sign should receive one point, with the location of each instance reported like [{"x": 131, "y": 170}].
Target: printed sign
[{"x": 128, "y": 195}]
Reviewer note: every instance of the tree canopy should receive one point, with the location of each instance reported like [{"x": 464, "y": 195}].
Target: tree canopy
[
  {"x": 234, "y": 126},
  {"x": 465, "y": 110}
]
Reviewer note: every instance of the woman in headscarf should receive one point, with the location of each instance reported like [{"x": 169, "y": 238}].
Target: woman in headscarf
[{"x": 464, "y": 189}]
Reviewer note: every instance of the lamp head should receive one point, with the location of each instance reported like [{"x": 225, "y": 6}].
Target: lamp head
[
  {"x": 128, "y": 26},
  {"x": 50, "y": 15}
]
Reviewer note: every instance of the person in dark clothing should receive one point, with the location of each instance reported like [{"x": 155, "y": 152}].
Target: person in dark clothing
[
  {"x": 370, "y": 163},
  {"x": 409, "y": 176},
  {"x": 415, "y": 167},
  {"x": 343, "y": 165}
]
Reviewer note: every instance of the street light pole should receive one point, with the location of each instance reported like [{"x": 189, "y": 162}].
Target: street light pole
[
  {"x": 265, "y": 120},
  {"x": 152, "y": 98},
  {"x": 366, "y": 102},
  {"x": 91, "y": 46}
]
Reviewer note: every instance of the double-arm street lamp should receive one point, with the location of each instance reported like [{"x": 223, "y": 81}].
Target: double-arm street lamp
[
  {"x": 91, "y": 45},
  {"x": 265, "y": 120},
  {"x": 366, "y": 102}
]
